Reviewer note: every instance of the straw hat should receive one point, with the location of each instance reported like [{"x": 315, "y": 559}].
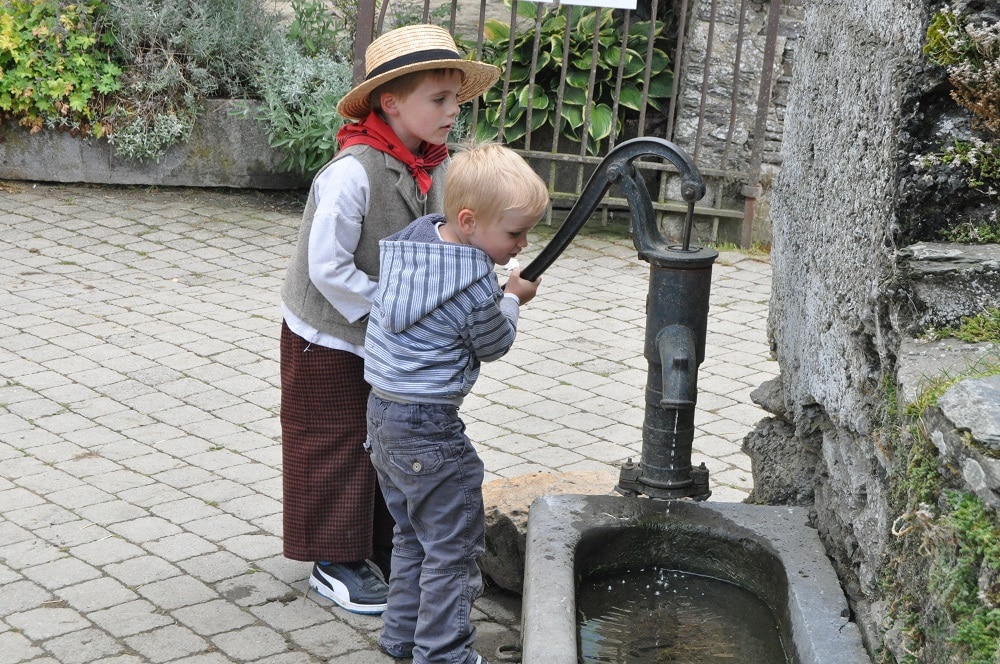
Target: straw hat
[{"x": 409, "y": 49}]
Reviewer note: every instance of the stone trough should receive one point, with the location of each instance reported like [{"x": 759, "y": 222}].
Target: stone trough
[{"x": 769, "y": 551}]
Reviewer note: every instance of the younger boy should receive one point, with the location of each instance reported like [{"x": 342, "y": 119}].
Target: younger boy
[{"x": 438, "y": 313}]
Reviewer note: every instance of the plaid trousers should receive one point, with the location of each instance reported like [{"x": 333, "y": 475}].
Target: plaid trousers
[{"x": 333, "y": 508}]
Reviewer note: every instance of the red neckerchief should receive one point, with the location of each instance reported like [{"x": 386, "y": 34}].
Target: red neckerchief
[{"x": 374, "y": 132}]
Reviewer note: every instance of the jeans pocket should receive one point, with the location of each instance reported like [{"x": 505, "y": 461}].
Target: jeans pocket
[{"x": 424, "y": 460}]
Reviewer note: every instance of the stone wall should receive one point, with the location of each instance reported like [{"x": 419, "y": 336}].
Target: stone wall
[
  {"x": 847, "y": 297},
  {"x": 223, "y": 151},
  {"x": 833, "y": 256}
]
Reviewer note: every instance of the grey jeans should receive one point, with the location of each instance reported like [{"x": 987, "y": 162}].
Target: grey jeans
[{"x": 432, "y": 480}]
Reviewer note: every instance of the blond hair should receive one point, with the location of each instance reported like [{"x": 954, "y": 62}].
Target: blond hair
[{"x": 491, "y": 179}]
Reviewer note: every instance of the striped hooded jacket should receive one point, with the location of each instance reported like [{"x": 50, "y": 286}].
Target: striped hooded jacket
[{"x": 438, "y": 313}]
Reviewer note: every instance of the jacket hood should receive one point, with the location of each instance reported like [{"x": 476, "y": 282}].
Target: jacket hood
[{"x": 418, "y": 277}]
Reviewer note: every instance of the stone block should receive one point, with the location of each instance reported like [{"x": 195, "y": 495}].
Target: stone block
[
  {"x": 950, "y": 281},
  {"x": 507, "y": 502},
  {"x": 965, "y": 428},
  {"x": 921, "y": 363}
]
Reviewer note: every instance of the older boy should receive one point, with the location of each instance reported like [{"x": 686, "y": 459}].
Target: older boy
[
  {"x": 438, "y": 313},
  {"x": 389, "y": 171}
]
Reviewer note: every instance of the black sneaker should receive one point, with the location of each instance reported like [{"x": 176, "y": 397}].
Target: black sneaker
[{"x": 353, "y": 586}]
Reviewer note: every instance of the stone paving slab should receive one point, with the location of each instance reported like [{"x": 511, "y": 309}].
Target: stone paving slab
[{"x": 140, "y": 483}]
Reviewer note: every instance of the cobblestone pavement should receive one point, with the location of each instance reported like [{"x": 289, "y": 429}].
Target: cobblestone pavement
[{"x": 140, "y": 479}]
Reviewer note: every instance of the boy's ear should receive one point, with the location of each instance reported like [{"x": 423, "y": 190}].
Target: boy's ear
[
  {"x": 466, "y": 221},
  {"x": 387, "y": 101}
]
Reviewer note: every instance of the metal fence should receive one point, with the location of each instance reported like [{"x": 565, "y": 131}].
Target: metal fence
[{"x": 725, "y": 58}]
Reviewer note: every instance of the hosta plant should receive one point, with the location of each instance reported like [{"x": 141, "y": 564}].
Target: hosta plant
[{"x": 578, "y": 121}]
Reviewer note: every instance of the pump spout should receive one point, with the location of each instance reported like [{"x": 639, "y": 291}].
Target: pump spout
[
  {"x": 679, "y": 362},
  {"x": 668, "y": 426}
]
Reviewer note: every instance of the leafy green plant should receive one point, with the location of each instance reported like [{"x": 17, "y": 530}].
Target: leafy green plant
[
  {"x": 175, "y": 54},
  {"x": 299, "y": 104},
  {"x": 579, "y": 120},
  {"x": 410, "y": 12},
  {"x": 301, "y": 79},
  {"x": 971, "y": 55},
  {"x": 54, "y": 64},
  {"x": 136, "y": 72},
  {"x": 317, "y": 29}
]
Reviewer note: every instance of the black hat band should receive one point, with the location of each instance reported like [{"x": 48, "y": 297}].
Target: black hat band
[{"x": 412, "y": 59}]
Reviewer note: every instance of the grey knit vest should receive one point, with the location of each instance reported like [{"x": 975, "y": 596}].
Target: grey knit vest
[{"x": 394, "y": 203}]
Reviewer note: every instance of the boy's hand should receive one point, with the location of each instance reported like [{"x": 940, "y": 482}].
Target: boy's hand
[{"x": 522, "y": 288}]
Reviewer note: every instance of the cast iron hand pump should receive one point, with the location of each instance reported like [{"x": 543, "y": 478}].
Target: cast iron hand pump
[{"x": 676, "y": 316}]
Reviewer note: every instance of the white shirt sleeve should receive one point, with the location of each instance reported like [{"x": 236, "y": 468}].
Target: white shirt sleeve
[{"x": 342, "y": 201}]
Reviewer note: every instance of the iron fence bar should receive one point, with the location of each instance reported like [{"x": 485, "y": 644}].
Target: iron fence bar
[
  {"x": 705, "y": 72},
  {"x": 752, "y": 190},
  {"x": 734, "y": 96},
  {"x": 480, "y": 38},
  {"x": 502, "y": 119},
  {"x": 427, "y": 11},
  {"x": 666, "y": 206},
  {"x": 381, "y": 16},
  {"x": 573, "y": 159},
  {"x": 558, "y": 124},
  {"x": 733, "y": 102},
  {"x": 585, "y": 127},
  {"x": 539, "y": 9},
  {"x": 678, "y": 56},
  {"x": 619, "y": 75},
  {"x": 647, "y": 72},
  {"x": 664, "y": 179},
  {"x": 363, "y": 37}
]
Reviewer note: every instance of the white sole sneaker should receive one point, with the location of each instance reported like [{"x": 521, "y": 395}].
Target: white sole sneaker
[{"x": 338, "y": 592}]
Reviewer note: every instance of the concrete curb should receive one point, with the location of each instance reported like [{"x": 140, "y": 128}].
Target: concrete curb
[{"x": 224, "y": 151}]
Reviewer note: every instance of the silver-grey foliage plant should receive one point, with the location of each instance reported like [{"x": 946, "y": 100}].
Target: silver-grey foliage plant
[{"x": 299, "y": 95}]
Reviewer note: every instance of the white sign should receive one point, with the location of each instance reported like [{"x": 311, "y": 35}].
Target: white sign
[{"x": 616, "y": 4}]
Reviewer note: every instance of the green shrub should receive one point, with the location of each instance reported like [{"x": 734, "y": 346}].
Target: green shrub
[
  {"x": 301, "y": 79},
  {"x": 325, "y": 27},
  {"x": 54, "y": 64},
  {"x": 174, "y": 54},
  {"x": 137, "y": 71},
  {"x": 971, "y": 56},
  {"x": 299, "y": 109},
  {"x": 583, "y": 25}
]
